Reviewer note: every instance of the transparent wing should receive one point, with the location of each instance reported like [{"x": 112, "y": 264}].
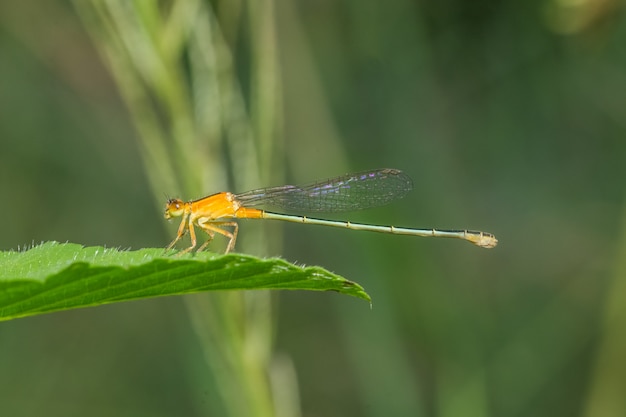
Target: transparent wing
[{"x": 349, "y": 192}]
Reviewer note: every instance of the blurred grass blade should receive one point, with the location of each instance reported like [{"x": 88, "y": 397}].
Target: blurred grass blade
[{"x": 55, "y": 276}]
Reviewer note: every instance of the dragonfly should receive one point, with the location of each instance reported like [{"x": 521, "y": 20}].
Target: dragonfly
[{"x": 217, "y": 213}]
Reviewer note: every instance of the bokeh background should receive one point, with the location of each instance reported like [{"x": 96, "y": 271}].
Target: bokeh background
[{"x": 510, "y": 117}]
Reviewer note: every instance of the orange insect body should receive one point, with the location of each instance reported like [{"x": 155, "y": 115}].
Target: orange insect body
[{"x": 207, "y": 213}]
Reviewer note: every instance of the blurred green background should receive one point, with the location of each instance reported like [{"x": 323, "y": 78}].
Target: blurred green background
[{"x": 510, "y": 117}]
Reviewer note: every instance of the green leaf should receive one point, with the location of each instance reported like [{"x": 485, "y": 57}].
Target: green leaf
[{"x": 55, "y": 276}]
